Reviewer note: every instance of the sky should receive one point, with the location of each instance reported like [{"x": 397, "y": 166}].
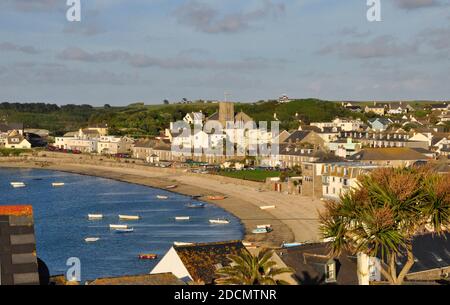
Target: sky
[{"x": 126, "y": 51}]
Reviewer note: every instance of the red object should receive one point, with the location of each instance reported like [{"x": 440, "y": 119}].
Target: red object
[
  {"x": 148, "y": 256},
  {"x": 16, "y": 210}
]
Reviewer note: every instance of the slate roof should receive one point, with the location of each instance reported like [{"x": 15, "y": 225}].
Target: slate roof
[
  {"x": 298, "y": 135},
  {"x": 308, "y": 262},
  {"x": 144, "y": 279},
  {"x": 214, "y": 116},
  {"x": 398, "y": 153},
  {"x": 10, "y": 126},
  {"x": 203, "y": 259}
]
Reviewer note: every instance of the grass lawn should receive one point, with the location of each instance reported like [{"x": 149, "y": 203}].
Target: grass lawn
[{"x": 253, "y": 175}]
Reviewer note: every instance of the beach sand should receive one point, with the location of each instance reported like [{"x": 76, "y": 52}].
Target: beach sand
[{"x": 295, "y": 218}]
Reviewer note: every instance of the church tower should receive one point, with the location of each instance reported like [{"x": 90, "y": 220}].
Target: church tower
[{"x": 226, "y": 113}]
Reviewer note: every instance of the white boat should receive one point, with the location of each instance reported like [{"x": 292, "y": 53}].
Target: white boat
[
  {"x": 262, "y": 231},
  {"x": 182, "y": 218},
  {"x": 171, "y": 186},
  {"x": 219, "y": 221},
  {"x": 17, "y": 184},
  {"x": 56, "y": 184},
  {"x": 95, "y": 216},
  {"x": 162, "y": 197},
  {"x": 118, "y": 227},
  {"x": 263, "y": 226},
  {"x": 91, "y": 239},
  {"x": 267, "y": 207},
  {"x": 180, "y": 243},
  {"x": 291, "y": 245},
  {"x": 129, "y": 217}
]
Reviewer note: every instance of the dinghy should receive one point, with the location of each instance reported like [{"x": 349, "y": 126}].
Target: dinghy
[
  {"x": 162, "y": 197},
  {"x": 216, "y": 197},
  {"x": 118, "y": 227},
  {"x": 267, "y": 207},
  {"x": 124, "y": 230},
  {"x": 95, "y": 216},
  {"x": 219, "y": 221},
  {"x": 290, "y": 245},
  {"x": 171, "y": 186},
  {"x": 91, "y": 239},
  {"x": 150, "y": 256},
  {"x": 17, "y": 184},
  {"x": 182, "y": 218},
  {"x": 263, "y": 226},
  {"x": 195, "y": 205},
  {"x": 261, "y": 231},
  {"x": 180, "y": 243},
  {"x": 57, "y": 184},
  {"x": 129, "y": 217}
]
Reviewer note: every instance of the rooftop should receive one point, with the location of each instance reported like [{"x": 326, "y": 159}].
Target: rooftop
[
  {"x": 144, "y": 279},
  {"x": 391, "y": 153}
]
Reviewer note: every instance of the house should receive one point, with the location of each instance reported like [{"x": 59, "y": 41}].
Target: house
[
  {"x": 399, "y": 108},
  {"x": 198, "y": 262},
  {"x": 344, "y": 147},
  {"x": 161, "y": 279},
  {"x": 18, "y": 260},
  {"x": 111, "y": 145},
  {"x": 284, "y": 99},
  {"x": 342, "y": 124},
  {"x": 380, "y": 124},
  {"x": 442, "y": 107},
  {"x": 338, "y": 178},
  {"x": 194, "y": 118},
  {"x": 291, "y": 155},
  {"x": 378, "y": 109},
  {"x": 15, "y": 140},
  {"x": 305, "y": 137},
  {"x": 398, "y": 138},
  {"x": 398, "y": 156},
  {"x": 9, "y": 127}
]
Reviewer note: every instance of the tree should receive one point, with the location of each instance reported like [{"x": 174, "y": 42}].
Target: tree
[
  {"x": 166, "y": 102},
  {"x": 380, "y": 217},
  {"x": 247, "y": 269}
]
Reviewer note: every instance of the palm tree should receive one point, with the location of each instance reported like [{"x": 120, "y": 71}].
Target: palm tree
[
  {"x": 380, "y": 217},
  {"x": 247, "y": 269}
]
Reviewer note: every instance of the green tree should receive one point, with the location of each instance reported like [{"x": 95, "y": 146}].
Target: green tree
[
  {"x": 247, "y": 269},
  {"x": 380, "y": 217}
]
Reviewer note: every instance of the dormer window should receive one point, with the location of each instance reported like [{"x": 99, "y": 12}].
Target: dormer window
[{"x": 330, "y": 271}]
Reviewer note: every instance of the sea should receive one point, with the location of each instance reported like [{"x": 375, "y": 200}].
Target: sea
[{"x": 61, "y": 222}]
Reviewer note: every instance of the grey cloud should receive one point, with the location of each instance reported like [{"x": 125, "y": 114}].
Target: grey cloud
[
  {"x": 145, "y": 61},
  {"x": 416, "y": 4},
  {"x": 205, "y": 18},
  {"x": 11, "y": 47},
  {"x": 381, "y": 46}
]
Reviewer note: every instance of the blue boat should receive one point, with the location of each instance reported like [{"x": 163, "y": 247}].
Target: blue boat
[
  {"x": 121, "y": 231},
  {"x": 195, "y": 205},
  {"x": 291, "y": 245}
]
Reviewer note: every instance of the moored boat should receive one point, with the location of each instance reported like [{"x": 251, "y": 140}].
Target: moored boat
[
  {"x": 267, "y": 207},
  {"x": 91, "y": 239},
  {"x": 162, "y": 197},
  {"x": 148, "y": 256},
  {"x": 130, "y": 230},
  {"x": 263, "y": 226},
  {"x": 95, "y": 216},
  {"x": 182, "y": 218},
  {"x": 171, "y": 186},
  {"x": 118, "y": 227},
  {"x": 195, "y": 205},
  {"x": 180, "y": 243},
  {"x": 58, "y": 184},
  {"x": 17, "y": 184},
  {"x": 261, "y": 230},
  {"x": 290, "y": 245},
  {"x": 219, "y": 221},
  {"x": 129, "y": 217}
]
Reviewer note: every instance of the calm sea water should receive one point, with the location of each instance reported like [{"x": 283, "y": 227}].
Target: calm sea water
[{"x": 61, "y": 223}]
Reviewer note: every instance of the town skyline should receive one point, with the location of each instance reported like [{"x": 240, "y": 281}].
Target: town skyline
[{"x": 202, "y": 49}]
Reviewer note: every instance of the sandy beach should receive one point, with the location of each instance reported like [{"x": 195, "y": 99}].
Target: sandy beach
[{"x": 295, "y": 218}]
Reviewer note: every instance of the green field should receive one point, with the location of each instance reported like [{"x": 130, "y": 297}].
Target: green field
[{"x": 253, "y": 175}]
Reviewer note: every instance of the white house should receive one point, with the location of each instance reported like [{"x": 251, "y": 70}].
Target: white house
[
  {"x": 15, "y": 140},
  {"x": 194, "y": 118}
]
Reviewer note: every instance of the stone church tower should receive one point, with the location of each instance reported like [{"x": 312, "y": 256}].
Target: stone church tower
[{"x": 226, "y": 113}]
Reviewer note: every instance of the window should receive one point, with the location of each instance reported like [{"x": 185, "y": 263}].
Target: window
[{"x": 330, "y": 271}]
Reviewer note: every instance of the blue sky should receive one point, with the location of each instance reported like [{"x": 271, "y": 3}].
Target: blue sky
[{"x": 124, "y": 51}]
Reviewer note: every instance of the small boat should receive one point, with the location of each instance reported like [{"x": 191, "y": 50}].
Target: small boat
[
  {"x": 118, "y": 227},
  {"x": 57, "y": 184},
  {"x": 290, "y": 245},
  {"x": 162, "y": 197},
  {"x": 195, "y": 205},
  {"x": 219, "y": 221},
  {"x": 148, "y": 256},
  {"x": 91, "y": 239},
  {"x": 171, "y": 186},
  {"x": 129, "y": 217},
  {"x": 17, "y": 184},
  {"x": 130, "y": 230},
  {"x": 261, "y": 231},
  {"x": 95, "y": 216},
  {"x": 267, "y": 207},
  {"x": 182, "y": 218},
  {"x": 216, "y": 197},
  {"x": 180, "y": 243},
  {"x": 263, "y": 226}
]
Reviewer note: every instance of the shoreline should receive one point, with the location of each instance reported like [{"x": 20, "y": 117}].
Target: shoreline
[{"x": 241, "y": 196}]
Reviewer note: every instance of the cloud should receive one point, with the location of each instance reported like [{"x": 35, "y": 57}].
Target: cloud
[
  {"x": 145, "y": 61},
  {"x": 381, "y": 46},
  {"x": 11, "y": 47},
  {"x": 416, "y": 4},
  {"x": 204, "y": 18}
]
